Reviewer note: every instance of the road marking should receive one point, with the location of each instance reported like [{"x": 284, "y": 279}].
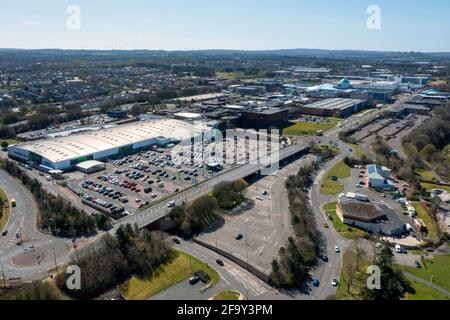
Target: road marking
[{"x": 250, "y": 284}]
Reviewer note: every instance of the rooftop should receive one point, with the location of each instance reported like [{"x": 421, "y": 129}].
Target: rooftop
[
  {"x": 87, "y": 143},
  {"x": 335, "y": 103},
  {"x": 357, "y": 210}
]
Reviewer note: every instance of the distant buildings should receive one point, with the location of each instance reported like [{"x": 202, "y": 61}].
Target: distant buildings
[{"x": 260, "y": 118}]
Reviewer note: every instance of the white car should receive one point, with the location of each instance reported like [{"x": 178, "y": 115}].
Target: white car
[
  {"x": 260, "y": 198},
  {"x": 337, "y": 249},
  {"x": 334, "y": 282}
]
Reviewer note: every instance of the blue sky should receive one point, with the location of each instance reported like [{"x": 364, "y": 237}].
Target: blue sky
[{"x": 406, "y": 25}]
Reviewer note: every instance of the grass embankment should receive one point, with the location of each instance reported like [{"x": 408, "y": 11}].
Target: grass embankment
[
  {"x": 341, "y": 228},
  {"x": 430, "y": 186},
  {"x": 353, "y": 291},
  {"x": 422, "y": 214},
  {"x": 358, "y": 151},
  {"x": 180, "y": 268},
  {"x": 330, "y": 187},
  {"x": 227, "y": 296},
  {"x": 8, "y": 141},
  {"x": 310, "y": 128},
  {"x": 4, "y": 210},
  {"x": 425, "y": 174},
  {"x": 436, "y": 268},
  {"x": 423, "y": 292}
]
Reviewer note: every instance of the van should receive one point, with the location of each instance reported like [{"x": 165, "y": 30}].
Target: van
[{"x": 171, "y": 204}]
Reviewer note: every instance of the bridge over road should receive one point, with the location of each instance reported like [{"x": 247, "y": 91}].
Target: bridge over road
[{"x": 159, "y": 210}]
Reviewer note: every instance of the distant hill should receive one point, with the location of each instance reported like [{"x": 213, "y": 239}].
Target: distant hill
[{"x": 245, "y": 53}]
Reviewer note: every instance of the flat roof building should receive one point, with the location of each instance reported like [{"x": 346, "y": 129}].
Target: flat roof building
[
  {"x": 335, "y": 107},
  {"x": 66, "y": 152}
]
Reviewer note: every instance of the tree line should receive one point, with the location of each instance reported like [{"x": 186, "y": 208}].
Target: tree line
[
  {"x": 56, "y": 214},
  {"x": 191, "y": 219},
  {"x": 291, "y": 269},
  {"x": 110, "y": 261}
]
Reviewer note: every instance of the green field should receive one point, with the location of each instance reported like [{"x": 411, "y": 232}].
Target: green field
[
  {"x": 358, "y": 151},
  {"x": 425, "y": 174},
  {"x": 438, "y": 268},
  {"x": 422, "y": 214},
  {"x": 330, "y": 187},
  {"x": 429, "y": 187},
  {"x": 341, "y": 228},
  {"x": 179, "y": 269},
  {"x": 4, "y": 210},
  {"x": 227, "y": 296},
  {"x": 308, "y": 128},
  {"x": 423, "y": 292},
  {"x": 9, "y": 141},
  {"x": 354, "y": 293}
]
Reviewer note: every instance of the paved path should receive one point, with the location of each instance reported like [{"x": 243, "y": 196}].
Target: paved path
[{"x": 427, "y": 283}]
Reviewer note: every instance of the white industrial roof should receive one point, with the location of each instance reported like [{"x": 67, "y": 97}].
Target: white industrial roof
[
  {"x": 89, "y": 164},
  {"x": 335, "y": 103},
  {"x": 87, "y": 143}
]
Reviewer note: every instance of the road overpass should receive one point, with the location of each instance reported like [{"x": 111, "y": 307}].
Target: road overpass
[{"x": 159, "y": 210}]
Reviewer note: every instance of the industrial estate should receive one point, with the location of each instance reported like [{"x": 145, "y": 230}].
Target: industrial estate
[{"x": 224, "y": 175}]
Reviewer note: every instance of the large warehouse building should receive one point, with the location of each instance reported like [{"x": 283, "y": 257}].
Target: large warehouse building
[
  {"x": 66, "y": 152},
  {"x": 336, "y": 107}
]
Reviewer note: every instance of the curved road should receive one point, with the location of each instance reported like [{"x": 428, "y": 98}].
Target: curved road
[{"x": 34, "y": 258}]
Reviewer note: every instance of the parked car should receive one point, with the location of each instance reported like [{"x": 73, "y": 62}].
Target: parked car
[
  {"x": 337, "y": 249},
  {"x": 220, "y": 262},
  {"x": 418, "y": 265},
  {"x": 239, "y": 236},
  {"x": 334, "y": 282}
]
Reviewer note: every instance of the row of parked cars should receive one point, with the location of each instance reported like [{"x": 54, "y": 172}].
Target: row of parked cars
[
  {"x": 106, "y": 191},
  {"x": 106, "y": 205}
]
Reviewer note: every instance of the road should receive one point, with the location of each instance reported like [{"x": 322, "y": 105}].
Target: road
[{"x": 22, "y": 261}]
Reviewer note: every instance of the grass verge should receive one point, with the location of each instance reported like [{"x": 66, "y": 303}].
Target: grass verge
[
  {"x": 430, "y": 186},
  {"x": 436, "y": 269},
  {"x": 310, "y": 128},
  {"x": 4, "y": 210},
  {"x": 351, "y": 289},
  {"x": 180, "y": 268},
  {"x": 422, "y": 214},
  {"x": 227, "y": 296},
  {"x": 425, "y": 174},
  {"x": 330, "y": 187},
  {"x": 423, "y": 292}
]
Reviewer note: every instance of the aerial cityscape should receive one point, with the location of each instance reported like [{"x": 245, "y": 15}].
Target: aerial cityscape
[{"x": 236, "y": 171}]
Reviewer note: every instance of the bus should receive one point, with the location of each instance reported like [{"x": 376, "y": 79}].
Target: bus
[{"x": 13, "y": 202}]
